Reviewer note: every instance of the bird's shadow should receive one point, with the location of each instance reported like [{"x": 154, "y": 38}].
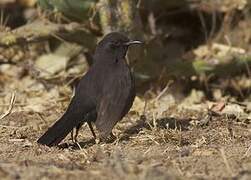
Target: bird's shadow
[{"x": 163, "y": 123}]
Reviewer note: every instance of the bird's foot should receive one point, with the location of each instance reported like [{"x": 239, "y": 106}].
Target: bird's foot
[
  {"x": 109, "y": 139},
  {"x": 112, "y": 138}
]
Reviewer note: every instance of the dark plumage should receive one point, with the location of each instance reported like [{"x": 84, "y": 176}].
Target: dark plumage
[{"x": 104, "y": 94}]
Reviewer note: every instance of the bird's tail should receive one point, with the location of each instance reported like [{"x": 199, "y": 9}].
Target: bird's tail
[{"x": 55, "y": 134}]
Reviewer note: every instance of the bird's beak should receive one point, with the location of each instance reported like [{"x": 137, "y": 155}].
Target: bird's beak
[{"x": 132, "y": 42}]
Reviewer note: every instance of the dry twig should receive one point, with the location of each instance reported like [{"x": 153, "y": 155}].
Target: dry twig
[
  {"x": 33, "y": 32},
  {"x": 12, "y": 102}
]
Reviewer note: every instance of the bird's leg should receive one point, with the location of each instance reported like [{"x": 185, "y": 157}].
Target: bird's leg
[
  {"x": 72, "y": 135},
  {"x": 92, "y": 130},
  {"x": 77, "y": 131}
]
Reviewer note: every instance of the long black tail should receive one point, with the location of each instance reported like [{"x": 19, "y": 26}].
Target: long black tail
[
  {"x": 55, "y": 134},
  {"x": 72, "y": 117}
]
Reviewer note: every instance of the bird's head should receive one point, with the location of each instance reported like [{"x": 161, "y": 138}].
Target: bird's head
[{"x": 115, "y": 44}]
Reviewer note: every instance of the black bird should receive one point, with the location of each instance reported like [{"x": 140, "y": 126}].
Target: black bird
[{"x": 104, "y": 94}]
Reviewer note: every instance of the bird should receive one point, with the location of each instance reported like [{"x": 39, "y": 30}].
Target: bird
[{"x": 104, "y": 94}]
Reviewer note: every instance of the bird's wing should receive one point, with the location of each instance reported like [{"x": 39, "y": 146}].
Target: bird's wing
[
  {"x": 109, "y": 113},
  {"x": 112, "y": 105}
]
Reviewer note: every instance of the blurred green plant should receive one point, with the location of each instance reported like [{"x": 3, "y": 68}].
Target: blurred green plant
[{"x": 78, "y": 10}]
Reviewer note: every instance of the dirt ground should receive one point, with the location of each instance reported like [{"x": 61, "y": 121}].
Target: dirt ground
[
  {"x": 175, "y": 147},
  {"x": 167, "y": 142}
]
